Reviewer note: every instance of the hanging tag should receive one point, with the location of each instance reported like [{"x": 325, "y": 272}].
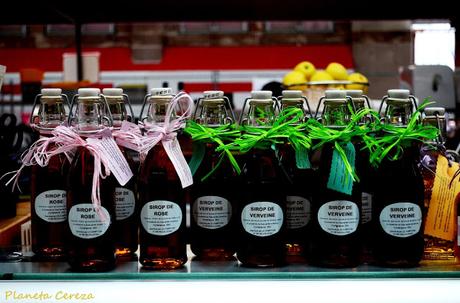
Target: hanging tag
[
  {"x": 176, "y": 156},
  {"x": 440, "y": 220},
  {"x": 116, "y": 162},
  {"x": 302, "y": 159},
  {"x": 340, "y": 178},
  {"x": 198, "y": 153}
]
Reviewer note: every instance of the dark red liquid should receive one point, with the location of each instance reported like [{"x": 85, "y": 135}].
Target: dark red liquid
[
  {"x": 49, "y": 229},
  {"x": 126, "y": 223},
  {"x": 213, "y": 230},
  {"x": 159, "y": 182},
  {"x": 400, "y": 181},
  {"x": 299, "y": 188},
  {"x": 328, "y": 249},
  {"x": 98, "y": 253},
  {"x": 261, "y": 182}
]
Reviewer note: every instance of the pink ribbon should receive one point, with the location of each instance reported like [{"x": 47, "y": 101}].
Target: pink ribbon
[
  {"x": 130, "y": 136},
  {"x": 65, "y": 141},
  {"x": 166, "y": 133}
]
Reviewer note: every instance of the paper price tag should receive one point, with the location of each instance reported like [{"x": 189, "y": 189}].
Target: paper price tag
[
  {"x": 440, "y": 220},
  {"x": 301, "y": 157},
  {"x": 116, "y": 162},
  {"x": 176, "y": 156},
  {"x": 339, "y": 178},
  {"x": 198, "y": 153}
]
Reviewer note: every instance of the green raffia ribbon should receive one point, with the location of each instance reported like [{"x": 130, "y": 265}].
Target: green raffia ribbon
[
  {"x": 203, "y": 134},
  {"x": 288, "y": 127},
  {"x": 340, "y": 137},
  {"x": 396, "y": 138}
]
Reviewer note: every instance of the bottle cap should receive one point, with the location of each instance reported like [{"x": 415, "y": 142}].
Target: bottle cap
[
  {"x": 398, "y": 93},
  {"x": 54, "y": 92},
  {"x": 261, "y": 94},
  {"x": 161, "y": 91},
  {"x": 335, "y": 94},
  {"x": 113, "y": 92},
  {"x": 433, "y": 111},
  {"x": 354, "y": 93},
  {"x": 292, "y": 94},
  {"x": 89, "y": 92},
  {"x": 213, "y": 94}
]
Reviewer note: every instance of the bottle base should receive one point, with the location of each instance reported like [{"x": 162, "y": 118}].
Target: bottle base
[
  {"x": 261, "y": 261},
  {"x": 213, "y": 254},
  {"x": 163, "y": 263},
  {"x": 50, "y": 254},
  {"x": 92, "y": 266},
  {"x": 125, "y": 253}
]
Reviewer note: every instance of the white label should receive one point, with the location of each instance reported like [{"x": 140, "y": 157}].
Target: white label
[
  {"x": 262, "y": 219},
  {"x": 124, "y": 203},
  {"x": 51, "y": 206},
  {"x": 172, "y": 148},
  {"x": 339, "y": 217},
  {"x": 161, "y": 218},
  {"x": 110, "y": 152},
  {"x": 402, "y": 219},
  {"x": 298, "y": 212},
  {"x": 366, "y": 215},
  {"x": 212, "y": 212},
  {"x": 86, "y": 223}
]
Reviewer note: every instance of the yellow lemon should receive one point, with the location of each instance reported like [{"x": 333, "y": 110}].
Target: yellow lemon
[
  {"x": 357, "y": 77},
  {"x": 337, "y": 71},
  {"x": 305, "y": 67},
  {"x": 321, "y": 76},
  {"x": 295, "y": 80}
]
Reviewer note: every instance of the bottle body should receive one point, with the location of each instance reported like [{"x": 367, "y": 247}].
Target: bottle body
[
  {"x": 213, "y": 209},
  {"x": 91, "y": 244},
  {"x": 436, "y": 249},
  {"x": 336, "y": 240},
  {"x": 398, "y": 207},
  {"x": 126, "y": 223},
  {"x": 48, "y": 208},
  {"x": 262, "y": 211},
  {"x": 162, "y": 213},
  {"x": 298, "y": 190}
]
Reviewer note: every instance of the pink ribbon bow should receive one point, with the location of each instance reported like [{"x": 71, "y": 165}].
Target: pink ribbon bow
[{"x": 167, "y": 134}]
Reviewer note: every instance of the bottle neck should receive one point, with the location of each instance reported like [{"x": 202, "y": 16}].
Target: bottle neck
[
  {"x": 213, "y": 114},
  {"x": 118, "y": 110},
  {"x": 90, "y": 115},
  {"x": 51, "y": 114},
  {"x": 336, "y": 114},
  {"x": 261, "y": 114},
  {"x": 157, "y": 110}
]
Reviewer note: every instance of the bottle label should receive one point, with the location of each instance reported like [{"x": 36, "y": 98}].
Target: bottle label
[
  {"x": 339, "y": 217},
  {"x": 86, "y": 223},
  {"x": 402, "y": 219},
  {"x": 212, "y": 212},
  {"x": 366, "y": 208},
  {"x": 298, "y": 212},
  {"x": 161, "y": 218},
  {"x": 125, "y": 203},
  {"x": 440, "y": 218},
  {"x": 51, "y": 206},
  {"x": 262, "y": 219}
]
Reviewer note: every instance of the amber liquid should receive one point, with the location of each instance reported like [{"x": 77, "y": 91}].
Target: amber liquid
[
  {"x": 126, "y": 224},
  {"x": 261, "y": 182},
  {"x": 436, "y": 249},
  {"x": 98, "y": 253},
  {"x": 159, "y": 182},
  {"x": 299, "y": 187},
  {"x": 400, "y": 181},
  {"x": 327, "y": 249},
  {"x": 214, "y": 207},
  {"x": 48, "y": 230}
]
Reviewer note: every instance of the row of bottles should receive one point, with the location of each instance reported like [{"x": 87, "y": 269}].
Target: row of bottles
[{"x": 271, "y": 214}]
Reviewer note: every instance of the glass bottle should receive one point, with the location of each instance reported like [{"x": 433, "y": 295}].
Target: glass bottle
[
  {"x": 91, "y": 243},
  {"x": 262, "y": 209},
  {"x": 436, "y": 248},
  {"x": 366, "y": 174},
  {"x": 399, "y": 195},
  {"x": 48, "y": 186},
  {"x": 162, "y": 200},
  {"x": 213, "y": 208},
  {"x": 299, "y": 188},
  {"x": 126, "y": 224},
  {"x": 336, "y": 239}
]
